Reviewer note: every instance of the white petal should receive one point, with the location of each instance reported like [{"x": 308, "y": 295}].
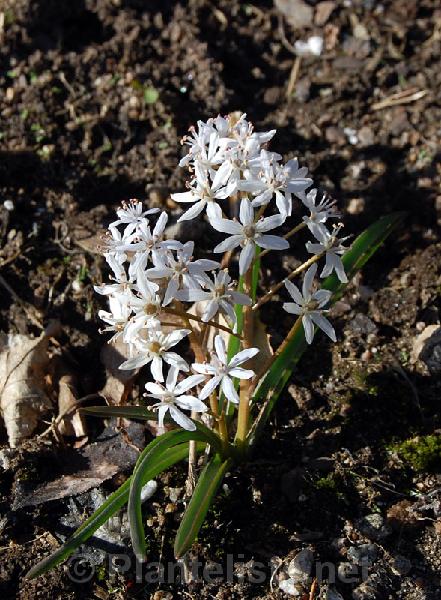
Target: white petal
[
  {"x": 324, "y": 325},
  {"x": 193, "y": 211},
  {"x": 309, "y": 280},
  {"x": 229, "y": 390},
  {"x": 181, "y": 419},
  {"x": 226, "y": 226},
  {"x": 294, "y": 292},
  {"x": 246, "y": 212},
  {"x": 209, "y": 387},
  {"x": 221, "y": 350},
  {"x": 269, "y": 223},
  {"x": 172, "y": 378},
  {"x": 172, "y": 288},
  {"x": 240, "y": 373},
  {"x": 272, "y": 242},
  {"x": 246, "y": 257},
  {"x": 154, "y": 388},
  {"x": 191, "y": 403},
  {"x": 203, "y": 368},
  {"x": 222, "y": 175},
  {"x": 156, "y": 368},
  {"x": 188, "y": 383},
  {"x": 135, "y": 362},
  {"x": 292, "y": 308},
  {"x": 308, "y": 327},
  {"x": 229, "y": 244},
  {"x": 243, "y": 356},
  {"x": 184, "y": 197}
]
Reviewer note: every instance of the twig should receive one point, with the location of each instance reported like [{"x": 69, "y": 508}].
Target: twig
[
  {"x": 404, "y": 97},
  {"x": 277, "y": 287},
  {"x": 293, "y": 76}
]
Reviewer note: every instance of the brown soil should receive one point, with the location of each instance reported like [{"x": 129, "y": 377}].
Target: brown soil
[{"x": 79, "y": 132}]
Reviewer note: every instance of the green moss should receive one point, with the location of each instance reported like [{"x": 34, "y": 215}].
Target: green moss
[
  {"x": 422, "y": 453},
  {"x": 327, "y": 483}
]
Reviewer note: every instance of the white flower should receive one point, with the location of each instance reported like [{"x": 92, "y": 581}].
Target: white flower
[
  {"x": 131, "y": 215},
  {"x": 221, "y": 296},
  {"x": 203, "y": 194},
  {"x": 309, "y": 305},
  {"x": 182, "y": 272},
  {"x": 329, "y": 243},
  {"x": 155, "y": 349},
  {"x": 221, "y": 371},
  {"x": 118, "y": 316},
  {"x": 146, "y": 307},
  {"x": 149, "y": 244},
  {"x": 172, "y": 395},
  {"x": 319, "y": 213},
  {"x": 248, "y": 233},
  {"x": 266, "y": 178}
]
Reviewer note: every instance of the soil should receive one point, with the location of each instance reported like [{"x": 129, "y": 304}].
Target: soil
[{"x": 96, "y": 96}]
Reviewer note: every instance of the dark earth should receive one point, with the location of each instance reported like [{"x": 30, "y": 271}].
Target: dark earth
[{"x": 96, "y": 95}]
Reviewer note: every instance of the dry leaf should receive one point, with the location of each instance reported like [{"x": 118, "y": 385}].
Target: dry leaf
[
  {"x": 23, "y": 399},
  {"x": 72, "y": 423},
  {"x": 118, "y": 382}
]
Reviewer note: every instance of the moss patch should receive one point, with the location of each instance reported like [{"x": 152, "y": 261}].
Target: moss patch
[{"x": 422, "y": 453}]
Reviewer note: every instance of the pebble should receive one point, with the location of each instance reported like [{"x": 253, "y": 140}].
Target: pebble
[
  {"x": 427, "y": 348},
  {"x": 366, "y": 136},
  {"x": 332, "y": 594},
  {"x": 298, "y": 14},
  {"x": 365, "y": 554},
  {"x": 300, "y": 567},
  {"x": 374, "y": 527},
  {"x": 9, "y": 205},
  {"x": 355, "y": 206},
  {"x": 401, "y": 565},
  {"x": 362, "y": 324},
  {"x": 148, "y": 490},
  {"x": 290, "y": 587}
]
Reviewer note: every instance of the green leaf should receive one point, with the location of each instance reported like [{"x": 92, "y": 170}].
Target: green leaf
[
  {"x": 144, "y": 414},
  {"x": 365, "y": 245},
  {"x": 205, "y": 490},
  {"x": 114, "y": 503},
  {"x": 146, "y": 462},
  {"x": 128, "y": 412}
]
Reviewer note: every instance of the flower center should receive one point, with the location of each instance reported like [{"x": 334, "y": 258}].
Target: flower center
[
  {"x": 154, "y": 347},
  {"x": 150, "y": 309},
  {"x": 249, "y": 231}
]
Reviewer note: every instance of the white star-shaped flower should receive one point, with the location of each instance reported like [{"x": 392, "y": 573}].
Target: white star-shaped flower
[
  {"x": 333, "y": 247},
  {"x": 223, "y": 371},
  {"x": 219, "y": 295},
  {"x": 248, "y": 233},
  {"x": 309, "y": 305},
  {"x": 154, "y": 350},
  {"x": 131, "y": 215},
  {"x": 319, "y": 213},
  {"x": 173, "y": 396}
]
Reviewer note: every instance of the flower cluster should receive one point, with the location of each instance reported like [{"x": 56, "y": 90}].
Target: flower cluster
[{"x": 235, "y": 180}]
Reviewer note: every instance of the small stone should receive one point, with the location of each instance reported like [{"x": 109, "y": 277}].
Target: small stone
[
  {"x": 401, "y": 565},
  {"x": 290, "y": 587},
  {"x": 6, "y": 456},
  {"x": 373, "y": 527},
  {"x": 302, "y": 397},
  {"x": 362, "y": 324},
  {"x": 272, "y": 95},
  {"x": 174, "y": 493},
  {"x": 300, "y": 567},
  {"x": 302, "y": 89},
  {"x": 298, "y": 14},
  {"x": 365, "y": 554},
  {"x": 9, "y": 205},
  {"x": 148, "y": 490},
  {"x": 427, "y": 348},
  {"x": 335, "y": 135},
  {"x": 348, "y": 572},
  {"x": 323, "y": 11},
  {"x": 355, "y": 206},
  {"x": 366, "y": 136}
]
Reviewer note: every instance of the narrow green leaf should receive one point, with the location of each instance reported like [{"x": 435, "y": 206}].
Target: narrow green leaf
[
  {"x": 203, "y": 495},
  {"x": 354, "y": 259},
  {"x": 144, "y": 414},
  {"x": 128, "y": 412},
  {"x": 114, "y": 503},
  {"x": 146, "y": 462}
]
